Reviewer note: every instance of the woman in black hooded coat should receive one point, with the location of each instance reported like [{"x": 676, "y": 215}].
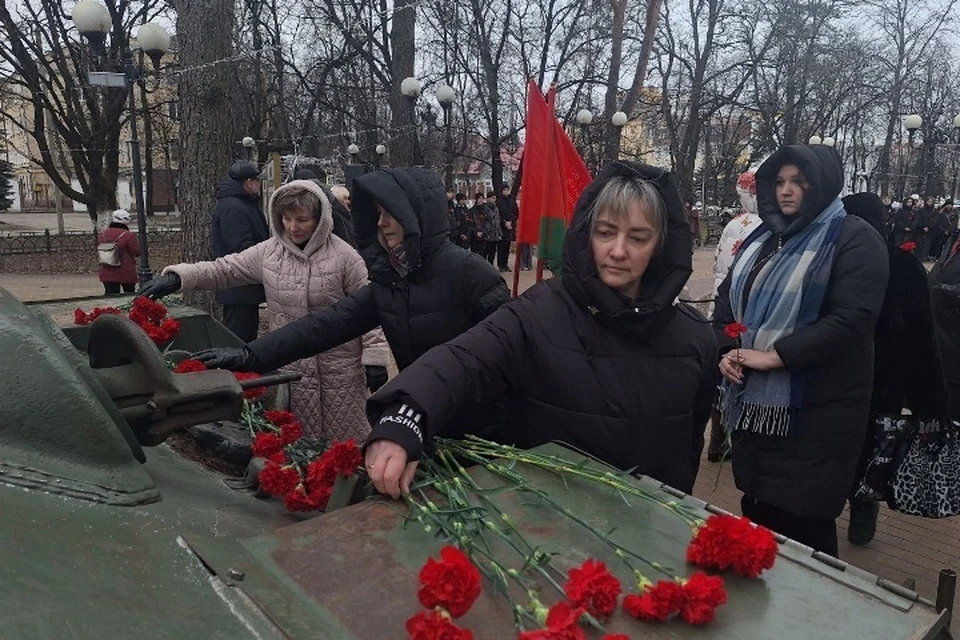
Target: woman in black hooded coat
[
  {"x": 626, "y": 378},
  {"x": 795, "y": 452},
  {"x": 423, "y": 293}
]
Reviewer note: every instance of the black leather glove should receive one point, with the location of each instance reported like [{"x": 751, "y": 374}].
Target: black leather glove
[
  {"x": 376, "y": 377},
  {"x": 161, "y": 286},
  {"x": 232, "y": 358}
]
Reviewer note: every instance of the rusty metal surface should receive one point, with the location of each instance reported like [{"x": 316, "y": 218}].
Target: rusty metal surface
[{"x": 352, "y": 574}]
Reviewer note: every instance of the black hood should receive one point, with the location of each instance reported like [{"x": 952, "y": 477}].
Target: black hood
[
  {"x": 668, "y": 271},
  {"x": 414, "y": 196},
  {"x": 230, "y": 188},
  {"x": 823, "y": 170},
  {"x": 868, "y": 206}
]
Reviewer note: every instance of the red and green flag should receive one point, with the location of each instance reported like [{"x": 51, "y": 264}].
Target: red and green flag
[{"x": 554, "y": 174}]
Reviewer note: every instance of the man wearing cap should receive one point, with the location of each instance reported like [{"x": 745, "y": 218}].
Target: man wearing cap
[
  {"x": 126, "y": 247},
  {"x": 238, "y": 224}
]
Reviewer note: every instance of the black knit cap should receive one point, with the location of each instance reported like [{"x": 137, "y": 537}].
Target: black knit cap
[{"x": 243, "y": 170}]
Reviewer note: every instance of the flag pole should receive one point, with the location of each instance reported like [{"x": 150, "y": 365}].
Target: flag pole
[{"x": 516, "y": 269}]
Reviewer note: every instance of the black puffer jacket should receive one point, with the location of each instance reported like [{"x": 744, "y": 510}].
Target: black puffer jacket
[
  {"x": 238, "y": 224},
  {"x": 810, "y": 474},
  {"x": 446, "y": 291},
  {"x": 907, "y": 370},
  {"x": 945, "y": 283},
  {"x": 627, "y": 381}
]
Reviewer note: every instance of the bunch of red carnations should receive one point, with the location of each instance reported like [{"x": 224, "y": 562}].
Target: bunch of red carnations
[{"x": 148, "y": 315}]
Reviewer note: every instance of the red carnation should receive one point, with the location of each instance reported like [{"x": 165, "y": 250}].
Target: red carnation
[
  {"x": 320, "y": 473},
  {"x": 726, "y": 542},
  {"x": 734, "y": 330},
  {"x": 594, "y": 588},
  {"x": 291, "y": 432},
  {"x": 909, "y": 246},
  {"x": 452, "y": 583},
  {"x": 279, "y": 480},
  {"x": 434, "y": 625},
  {"x": 266, "y": 444},
  {"x": 702, "y": 594},
  {"x": 344, "y": 457},
  {"x": 562, "y": 624},
  {"x": 300, "y": 500},
  {"x": 657, "y": 603},
  {"x": 189, "y": 366},
  {"x": 79, "y": 317},
  {"x": 254, "y": 393},
  {"x": 279, "y": 418}
]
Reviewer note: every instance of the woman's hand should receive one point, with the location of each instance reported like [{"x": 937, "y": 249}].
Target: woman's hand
[
  {"x": 759, "y": 360},
  {"x": 730, "y": 367},
  {"x": 736, "y": 360},
  {"x": 388, "y": 468}
]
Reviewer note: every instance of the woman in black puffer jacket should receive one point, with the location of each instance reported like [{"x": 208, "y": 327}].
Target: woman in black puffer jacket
[
  {"x": 423, "y": 290},
  {"x": 602, "y": 358}
]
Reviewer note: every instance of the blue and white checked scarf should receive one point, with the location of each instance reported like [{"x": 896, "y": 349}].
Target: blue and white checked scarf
[{"x": 787, "y": 293}]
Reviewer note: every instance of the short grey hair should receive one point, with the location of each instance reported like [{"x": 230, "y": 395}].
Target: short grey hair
[
  {"x": 339, "y": 192},
  {"x": 620, "y": 191}
]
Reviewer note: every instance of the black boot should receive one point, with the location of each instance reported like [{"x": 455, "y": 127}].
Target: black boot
[{"x": 863, "y": 521}]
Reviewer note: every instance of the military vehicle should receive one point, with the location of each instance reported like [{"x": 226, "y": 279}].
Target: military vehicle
[{"x": 106, "y": 532}]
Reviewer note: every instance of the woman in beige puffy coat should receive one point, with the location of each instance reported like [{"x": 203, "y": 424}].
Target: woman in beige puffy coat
[{"x": 304, "y": 269}]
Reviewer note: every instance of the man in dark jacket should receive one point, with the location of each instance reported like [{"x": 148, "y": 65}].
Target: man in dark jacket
[
  {"x": 509, "y": 212},
  {"x": 796, "y": 476},
  {"x": 238, "y": 224},
  {"x": 342, "y": 217},
  {"x": 422, "y": 292},
  {"x": 623, "y": 373}
]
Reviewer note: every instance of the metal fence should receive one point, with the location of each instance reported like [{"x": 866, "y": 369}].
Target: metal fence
[{"x": 30, "y": 242}]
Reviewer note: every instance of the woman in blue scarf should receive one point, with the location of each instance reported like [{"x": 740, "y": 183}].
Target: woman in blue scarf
[{"x": 808, "y": 286}]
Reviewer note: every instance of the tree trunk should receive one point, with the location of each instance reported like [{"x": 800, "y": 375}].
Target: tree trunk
[
  {"x": 611, "y": 142},
  {"x": 405, "y": 147},
  {"x": 207, "y": 123}
]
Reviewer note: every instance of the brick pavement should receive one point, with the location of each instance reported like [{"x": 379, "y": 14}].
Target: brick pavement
[{"x": 905, "y": 546}]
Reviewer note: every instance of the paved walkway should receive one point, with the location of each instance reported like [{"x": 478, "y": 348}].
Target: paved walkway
[{"x": 905, "y": 547}]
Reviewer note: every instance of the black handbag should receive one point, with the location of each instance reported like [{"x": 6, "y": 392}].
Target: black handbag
[
  {"x": 927, "y": 477},
  {"x": 888, "y": 436}
]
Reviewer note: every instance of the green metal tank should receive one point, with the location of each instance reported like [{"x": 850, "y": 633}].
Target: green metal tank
[{"x": 105, "y": 532}]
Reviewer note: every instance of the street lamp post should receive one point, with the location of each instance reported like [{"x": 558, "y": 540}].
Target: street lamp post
[
  {"x": 912, "y": 122},
  {"x": 381, "y": 150},
  {"x": 618, "y": 119},
  {"x": 249, "y": 144},
  {"x": 446, "y": 97},
  {"x": 93, "y": 22},
  {"x": 584, "y": 120},
  {"x": 410, "y": 88},
  {"x": 354, "y": 151}
]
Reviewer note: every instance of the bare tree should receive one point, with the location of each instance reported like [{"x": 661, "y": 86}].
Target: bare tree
[
  {"x": 909, "y": 28},
  {"x": 49, "y": 65}
]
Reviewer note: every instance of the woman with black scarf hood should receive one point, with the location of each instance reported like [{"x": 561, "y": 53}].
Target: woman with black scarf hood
[
  {"x": 602, "y": 358},
  {"x": 808, "y": 286}
]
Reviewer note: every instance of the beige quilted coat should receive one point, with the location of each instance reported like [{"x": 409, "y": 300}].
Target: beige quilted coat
[{"x": 330, "y": 398}]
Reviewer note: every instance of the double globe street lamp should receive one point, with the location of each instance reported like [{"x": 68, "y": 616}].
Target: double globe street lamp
[{"x": 93, "y": 21}]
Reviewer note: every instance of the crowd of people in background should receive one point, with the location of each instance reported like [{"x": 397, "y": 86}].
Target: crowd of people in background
[
  {"x": 605, "y": 356},
  {"x": 924, "y": 223}
]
